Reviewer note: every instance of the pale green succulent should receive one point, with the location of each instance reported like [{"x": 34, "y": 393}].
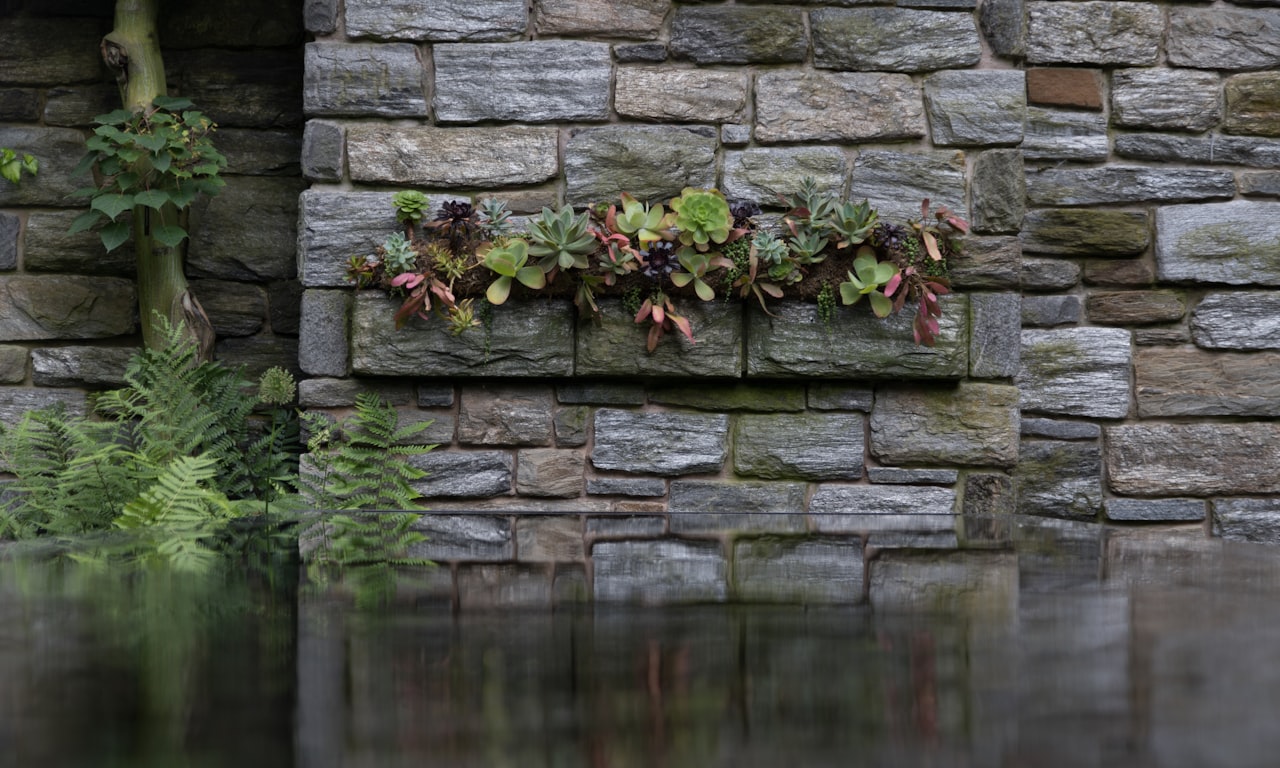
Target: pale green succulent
[
  {"x": 702, "y": 217},
  {"x": 643, "y": 222},
  {"x": 877, "y": 280},
  {"x": 561, "y": 239}
]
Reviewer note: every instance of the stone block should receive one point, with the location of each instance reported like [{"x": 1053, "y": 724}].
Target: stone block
[
  {"x": 341, "y": 393},
  {"x": 975, "y": 583},
  {"x": 999, "y": 191},
  {"x": 541, "y": 81},
  {"x": 820, "y": 106},
  {"x": 1059, "y": 134},
  {"x": 969, "y": 108},
  {"x": 626, "y": 527},
  {"x": 320, "y": 16},
  {"x": 1166, "y": 99},
  {"x": 549, "y": 539},
  {"x": 1135, "y": 307},
  {"x": 1094, "y": 32},
  {"x": 818, "y": 571},
  {"x": 796, "y": 343},
  {"x": 229, "y": 24},
  {"x": 995, "y": 340},
  {"x": 491, "y": 586},
  {"x": 636, "y": 53},
  {"x": 1253, "y": 101},
  {"x": 587, "y": 392},
  {"x": 1155, "y": 510},
  {"x": 1237, "y": 320},
  {"x": 1266, "y": 184},
  {"x": 714, "y": 507},
  {"x": 258, "y": 353},
  {"x": 57, "y": 150},
  {"x": 235, "y": 309},
  {"x": 470, "y": 475},
  {"x": 1194, "y": 382},
  {"x": 659, "y": 443},
  {"x": 1063, "y": 87},
  {"x": 600, "y": 162},
  {"x": 248, "y": 232},
  {"x": 763, "y": 398},
  {"x": 1058, "y": 429},
  {"x": 809, "y": 446},
  {"x": 988, "y": 494},
  {"x": 13, "y": 364},
  {"x": 1049, "y": 274},
  {"x": 1004, "y": 25},
  {"x": 48, "y": 247},
  {"x": 79, "y": 366},
  {"x": 242, "y": 88},
  {"x": 893, "y": 39},
  {"x": 735, "y": 135},
  {"x": 1075, "y": 372},
  {"x": 1195, "y": 459},
  {"x": 1048, "y": 311},
  {"x": 364, "y": 80},
  {"x": 1124, "y": 273},
  {"x": 764, "y": 173},
  {"x": 738, "y": 35},
  {"x": 422, "y": 156},
  {"x": 436, "y": 428},
  {"x": 1127, "y": 184},
  {"x": 971, "y": 424},
  {"x": 680, "y": 95},
  {"x": 503, "y": 414},
  {"x": 641, "y": 487},
  {"x": 1213, "y": 243},
  {"x": 1086, "y": 232},
  {"x": 26, "y": 57},
  {"x": 16, "y": 401},
  {"x": 1247, "y": 520},
  {"x": 254, "y": 152},
  {"x": 1149, "y": 337},
  {"x": 323, "y": 151},
  {"x": 883, "y": 508},
  {"x": 437, "y": 21},
  {"x": 630, "y": 19},
  {"x": 900, "y": 476},
  {"x": 77, "y": 105},
  {"x": 525, "y": 339},
  {"x": 1057, "y": 478},
  {"x": 572, "y": 426},
  {"x": 659, "y": 572},
  {"x": 1215, "y": 149},
  {"x": 550, "y": 472},
  {"x": 10, "y": 229},
  {"x": 615, "y": 346},
  {"x": 987, "y": 263},
  {"x": 1224, "y": 38},
  {"x": 463, "y": 537},
  {"x": 323, "y": 346},
  {"x": 835, "y": 396},
  {"x": 20, "y": 105},
  {"x": 65, "y": 307},
  {"x": 896, "y": 182}
]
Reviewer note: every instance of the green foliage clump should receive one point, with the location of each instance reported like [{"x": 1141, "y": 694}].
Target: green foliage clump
[{"x": 12, "y": 166}]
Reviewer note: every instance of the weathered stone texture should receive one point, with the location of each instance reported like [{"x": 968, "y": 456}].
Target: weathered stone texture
[
  {"x": 588, "y": 392},
  {"x": 323, "y": 151},
  {"x": 1124, "y": 273},
  {"x": 643, "y": 487},
  {"x": 21, "y": 105},
  {"x": 1127, "y": 184},
  {"x": 759, "y": 398},
  {"x": 987, "y": 263},
  {"x": 1075, "y": 372},
  {"x": 1094, "y": 32},
  {"x": 1215, "y": 149},
  {"x": 710, "y": 507},
  {"x": 683, "y": 95},
  {"x": 549, "y": 539},
  {"x": 25, "y": 56},
  {"x": 896, "y": 182},
  {"x": 1059, "y": 429},
  {"x": 1086, "y": 232},
  {"x": 1224, "y": 38},
  {"x": 1004, "y": 26},
  {"x": 242, "y": 88},
  {"x": 248, "y": 232},
  {"x": 1048, "y": 311},
  {"x": 1265, "y": 184},
  {"x": 1155, "y": 510},
  {"x": 258, "y": 353},
  {"x": 972, "y": 424},
  {"x": 994, "y": 342},
  {"x": 78, "y": 104},
  {"x": 323, "y": 344},
  {"x": 541, "y": 81},
  {"x": 631, "y": 19},
  {"x": 1195, "y": 459},
  {"x": 999, "y": 191},
  {"x": 1057, "y": 134},
  {"x": 626, "y": 527},
  {"x": 1165, "y": 99},
  {"x": 235, "y": 309},
  {"x": 437, "y": 21},
  {"x": 355, "y": 79},
  {"x": 900, "y": 476},
  {"x": 1062, "y": 87},
  {"x": 491, "y": 586},
  {"x": 65, "y": 307},
  {"x": 320, "y": 16},
  {"x": 253, "y": 152},
  {"x": 16, "y": 401},
  {"x": 1236, "y": 243},
  {"x": 1135, "y": 307},
  {"x": 819, "y": 106},
  {"x": 79, "y": 366},
  {"x": 976, "y": 108},
  {"x": 247, "y": 23},
  {"x": 659, "y": 443},
  {"x": 57, "y": 150},
  {"x": 572, "y": 426},
  {"x": 835, "y": 396},
  {"x": 769, "y": 570},
  {"x": 341, "y": 393},
  {"x": 10, "y": 229},
  {"x": 650, "y": 162},
  {"x": 13, "y": 364},
  {"x": 1253, "y": 101},
  {"x": 333, "y": 226},
  {"x": 550, "y": 472},
  {"x": 883, "y": 508},
  {"x": 976, "y": 583},
  {"x": 1247, "y": 520},
  {"x": 505, "y": 415},
  {"x": 471, "y": 474},
  {"x": 799, "y": 446},
  {"x": 765, "y": 173},
  {"x": 1059, "y": 479},
  {"x": 460, "y": 157},
  {"x": 893, "y": 39},
  {"x": 659, "y": 571},
  {"x": 463, "y": 537},
  {"x": 1237, "y": 320},
  {"x": 1049, "y": 274},
  {"x": 987, "y": 494},
  {"x": 738, "y": 35},
  {"x": 616, "y": 346}
]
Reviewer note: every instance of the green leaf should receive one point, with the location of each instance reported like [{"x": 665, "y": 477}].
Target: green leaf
[
  {"x": 173, "y": 103},
  {"x": 11, "y": 170},
  {"x": 160, "y": 161},
  {"x": 114, "y": 235},
  {"x": 498, "y": 290},
  {"x": 533, "y": 277},
  {"x": 152, "y": 198},
  {"x": 183, "y": 195},
  {"x": 114, "y": 117},
  {"x": 30, "y": 164},
  {"x": 170, "y": 235},
  {"x": 151, "y": 141},
  {"x": 704, "y": 291},
  {"x": 112, "y": 205},
  {"x": 881, "y": 305},
  {"x": 681, "y": 279},
  {"x": 85, "y": 164},
  {"x": 84, "y": 222},
  {"x": 128, "y": 181}
]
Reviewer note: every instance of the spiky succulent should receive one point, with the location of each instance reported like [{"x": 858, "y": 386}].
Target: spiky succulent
[
  {"x": 702, "y": 217},
  {"x": 851, "y": 223},
  {"x": 398, "y": 256},
  {"x": 645, "y": 223},
  {"x": 769, "y": 249},
  {"x": 496, "y": 216},
  {"x": 561, "y": 239}
]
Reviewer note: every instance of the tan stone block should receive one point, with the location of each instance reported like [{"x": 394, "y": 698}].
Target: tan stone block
[
  {"x": 1079, "y": 88},
  {"x": 549, "y": 539}
]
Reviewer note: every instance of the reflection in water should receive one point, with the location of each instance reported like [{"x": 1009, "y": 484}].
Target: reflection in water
[{"x": 1107, "y": 672}]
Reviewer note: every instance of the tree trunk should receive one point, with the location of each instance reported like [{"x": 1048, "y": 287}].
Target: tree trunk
[{"x": 132, "y": 50}]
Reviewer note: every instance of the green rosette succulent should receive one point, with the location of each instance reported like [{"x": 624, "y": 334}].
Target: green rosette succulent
[{"x": 702, "y": 217}]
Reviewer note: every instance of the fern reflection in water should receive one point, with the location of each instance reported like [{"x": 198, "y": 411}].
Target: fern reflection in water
[{"x": 179, "y": 467}]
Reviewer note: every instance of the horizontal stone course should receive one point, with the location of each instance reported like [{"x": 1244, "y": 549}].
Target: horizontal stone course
[
  {"x": 820, "y": 106},
  {"x": 1237, "y": 320},
  {"x": 659, "y": 443},
  {"x": 798, "y": 446},
  {"x": 710, "y": 507},
  {"x": 971, "y": 424},
  {"x": 1193, "y": 458},
  {"x": 537, "y": 81},
  {"x": 65, "y": 307},
  {"x": 680, "y": 95},
  {"x": 724, "y": 35},
  {"x": 893, "y": 39},
  {"x": 364, "y": 80},
  {"x": 1106, "y": 33},
  {"x": 1127, "y": 184},
  {"x": 437, "y": 21},
  {"x": 469, "y": 157}
]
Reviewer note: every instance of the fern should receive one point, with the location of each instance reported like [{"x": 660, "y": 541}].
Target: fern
[{"x": 364, "y": 551}]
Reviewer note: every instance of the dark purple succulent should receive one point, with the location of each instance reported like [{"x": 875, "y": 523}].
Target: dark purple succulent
[
  {"x": 660, "y": 260},
  {"x": 742, "y": 211},
  {"x": 458, "y": 222}
]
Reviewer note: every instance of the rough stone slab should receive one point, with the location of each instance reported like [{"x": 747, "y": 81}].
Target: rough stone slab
[
  {"x": 796, "y": 343},
  {"x": 1062, "y": 87},
  {"x": 323, "y": 346},
  {"x": 1048, "y": 311},
  {"x": 20, "y": 105},
  {"x": 722, "y": 35},
  {"x": 57, "y": 150},
  {"x": 13, "y": 364},
  {"x": 231, "y": 23},
  {"x": 1049, "y": 274},
  {"x": 364, "y": 80},
  {"x": 65, "y": 307},
  {"x": 880, "y": 508},
  {"x": 913, "y": 540},
  {"x": 1155, "y": 510},
  {"x": 1151, "y": 337},
  {"x": 810, "y": 446},
  {"x": 659, "y": 443},
  {"x": 999, "y": 191},
  {"x": 16, "y": 401},
  {"x": 1086, "y": 232},
  {"x": 893, "y": 39},
  {"x": 10, "y": 229},
  {"x": 995, "y": 340},
  {"x": 735, "y": 135},
  {"x": 1195, "y": 382},
  {"x": 541, "y": 81},
  {"x": 631, "y": 19},
  {"x": 819, "y": 106},
  {"x": 504, "y": 414},
  {"x": 320, "y": 16},
  {"x": 248, "y": 232},
  {"x": 1166, "y": 99},
  {"x": 987, "y": 263},
  {"x": 1216, "y": 149},
  {"x": 821, "y": 571},
  {"x": 572, "y": 426},
  {"x": 1253, "y": 102},
  {"x": 258, "y": 353},
  {"x": 680, "y": 95},
  {"x": 324, "y": 149},
  {"x": 1107, "y": 33},
  {"x": 900, "y": 476},
  {"x": 549, "y": 539},
  {"x": 601, "y": 162},
  {"x": 1193, "y": 459},
  {"x": 77, "y": 105},
  {"x": 1265, "y": 184},
  {"x": 437, "y": 428},
  {"x": 463, "y": 537},
  {"x": 526, "y": 339},
  {"x": 1237, "y": 320},
  {"x": 1057, "y": 134},
  {"x": 1247, "y": 520},
  {"x": 585, "y": 392},
  {"x": 833, "y": 396},
  {"x": 1061, "y": 430},
  {"x": 626, "y": 527},
  {"x": 460, "y": 157},
  {"x": 25, "y": 56},
  {"x": 252, "y": 152},
  {"x": 437, "y": 21},
  {"x": 987, "y": 495},
  {"x": 1057, "y": 478},
  {"x": 1075, "y": 372},
  {"x": 491, "y": 586},
  {"x": 1124, "y": 273},
  {"x": 1127, "y": 184},
  {"x": 1004, "y": 25},
  {"x": 969, "y": 108},
  {"x": 1224, "y": 38},
  {"x": 550, "y": 472},
  {"x": 720, "y": 507},
  {"x": 971, "y": 424},
  {"x": 659, "y": 572},
  {"x": 636, "y": 53},
  {"x": 616, "y": 345},
  {"x": 896, "y": 182},
  {"x": 333, "y": 226},
  {"x": 472, "y": 474},
  {"x": 242, "y": 88},
  {"x": 762, "y": 174},
  {"x": 79, "y": 366},
  {"x": 975, "y": 583},
  {"x": 763, "y": 398},
  {"x": 1135, "y": 307},
  {"x": 1236, "y": 243},
  {"x": 284, "y": 306},
  {"x": 640, "y": 487},
  {"x": 341, "y": 393}
]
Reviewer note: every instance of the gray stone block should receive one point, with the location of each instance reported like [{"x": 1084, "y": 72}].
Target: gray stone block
[
  {"x": 48, "y": 247},
  {"x": 650, "y": 53},
  {"x": 718, "y": 507},
  {"x": 1135, "y": 307},
  {"x": 320, "y": 16},
  {"x": 973, "y": 424},
  {"x": 1076, "y": 372},
  {"x": 341, "y": 393},
  {"x": 323, "y": 151},
  {"x": 253, "y": 152},
  {"x": 550, "y": 472},
  {"x": 1086, "y": 232},
  {"x": 820, "y": 571},
  {"x": 1266, "y": 184},
  {"x": 437, "y": 21},
  {"x": 65, "y": 307},
  {"x": 1004, "y": 25},
  {"x": 615, "y": 346},
  {"x": 896, "y": 182},
  {"x": 809, "y": 446},
  {"x": 1195, "y": 459},
  {"x": 1061, "y": 430},
  {"x": 735, "y": 135},
  {"x": 893, "y": 39},
  {"x": 659, "y": 572},
  {"x": 761, "y": 398},
  {"x": 680, "y": 95},
  {"x": 464, "y": 537},
  {"x": 882, "y": 508},
  {"x": 832, "y": 396},
  {"x": 13, "y": 364},
  {"x": 458, "y": 157},
  {"x": 975, "y": 583},
  {"x": 1253, "y": 103},
  {"x": 633, "y": 19},
  {"x": 1213, "y": 243},
  {"x": 471, "y": 474},
  {"x": 231, "y": 23},
  {"x": 1195, "y": 382},
  {"x": 986, "y": 495},
  {"x": 995, "y": 344},
  {"x": 1049, "y": 274},
  {"x": 1247, "y": 520},
  {"x": 1059, "y": 479},
  {"x": 541, "y": 81},
  {"x": 323, "y": 345},
  {"x": 1237, "y": 320},
  {"x": 643, "y": 487},
  {"x": 1127, "y": 184},
  {"x": 235, "y": 309},
  {"x": 1047, "y": 311},
  {"x": 1094, "y": 33},
  {"x": 572, "y": 426},
  {"x": 1155, "y": 510},
  {"x": 10, "y": 228},
  {"x": 987, "y": 263},
  {"x": 586, "y": 392},
  {"x": 626, "y": 526},
  {"x": 820, "y": 106},
  {"x": 659, "y": 443},
  {"x": 723, "y": 35},
  {"x": 599, "y": 162},
  {"x": 1215, "y": 149},
  {"x": 549, "y": 539},
  {"x": 501, "y": 414},
  {"x": 80, "y": 366},
  {"x": 1224, "y": 38},
  {"x": 763, "y": 174},
  {"x": 491, "y": 586},
  {"x": 16, "y": 401},
  {"x": 1059, "y": 134},
  {"x": 900, "y": 476},
  {"x": 248, "y": 232},
  {"x": 242, "y": 88},
  {"x": 1166, "y": 99},
  {"x": 999, "y": 191},
  {"x": 20, "y": 105},
  {"x": 976, "y": 108},
  {"x": 77, "y": 105},
  {"x": 258, "y": 353},
  {"x": 57, "y": 150},
  {"x": 364, "y": 80},
  {"x": 50, "y": 51}
]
